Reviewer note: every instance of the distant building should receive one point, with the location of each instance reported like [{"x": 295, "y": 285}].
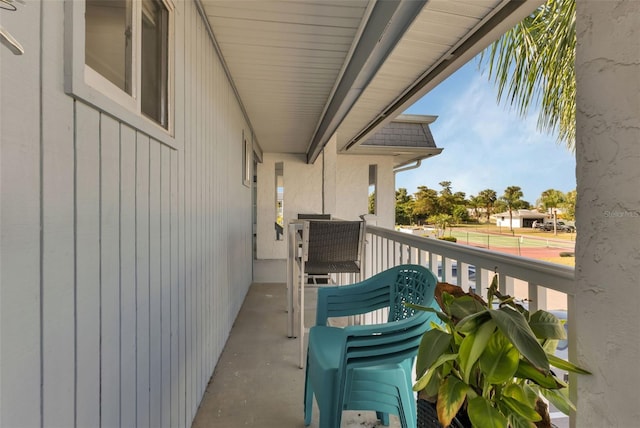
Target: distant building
[{"x": 521, "y": 218}]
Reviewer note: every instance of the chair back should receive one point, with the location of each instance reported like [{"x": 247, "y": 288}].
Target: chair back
[
  {"x": 369, "y": 366},
  {"x": 392, "y": 343},
  {"x": 388, "y": 289},
  {"x": 304, "y": 216},
  {"x": 332, "y": 246}
]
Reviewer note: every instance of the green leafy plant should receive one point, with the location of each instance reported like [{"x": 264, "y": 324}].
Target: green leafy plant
[{"x": 492, "y": 360}]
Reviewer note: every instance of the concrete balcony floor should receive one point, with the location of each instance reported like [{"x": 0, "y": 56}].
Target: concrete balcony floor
[{"x": 257, "y": 382}]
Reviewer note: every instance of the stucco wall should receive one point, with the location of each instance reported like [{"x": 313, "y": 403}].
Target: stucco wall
[
  {"x": 334, "y": 184},
  {"x": 608, "y": 212},
  {"x": 302, "y": 193},
  {"x": 352, "y": 188},
  {"x": 124, "y": 259}
]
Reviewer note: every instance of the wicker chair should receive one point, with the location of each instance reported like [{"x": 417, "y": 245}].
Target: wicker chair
[{"x": 329, "y": 248}]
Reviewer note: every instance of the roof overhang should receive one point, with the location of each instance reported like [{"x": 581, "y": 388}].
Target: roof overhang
[
  {"x": 306, "y": 70},
  {"x": 407, "y": 139}
]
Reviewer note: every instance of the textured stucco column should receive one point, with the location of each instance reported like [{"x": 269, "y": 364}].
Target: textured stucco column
[
  {"x": 607, "y": 301},
  {"x": 329, "y": 157}
]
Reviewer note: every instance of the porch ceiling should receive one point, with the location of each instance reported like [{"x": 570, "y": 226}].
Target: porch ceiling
[{"x": 303, "y": 69}]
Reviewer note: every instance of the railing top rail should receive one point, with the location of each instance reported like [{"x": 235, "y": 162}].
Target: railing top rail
[{"x": 550, "y": 275}]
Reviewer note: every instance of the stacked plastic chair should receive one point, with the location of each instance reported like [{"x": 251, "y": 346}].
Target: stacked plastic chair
[{"x": 368, "y": 367}]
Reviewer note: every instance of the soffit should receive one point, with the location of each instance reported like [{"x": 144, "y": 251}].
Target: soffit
[
  {"x": 442, "y": 38},
  {"x": 286, "y": 57}
]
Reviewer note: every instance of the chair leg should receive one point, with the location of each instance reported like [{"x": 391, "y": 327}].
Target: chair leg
[
  {"x": 330, "y": 419},
  {"x": 308, "y": 398},
  {"x": 384, "y": 418}
]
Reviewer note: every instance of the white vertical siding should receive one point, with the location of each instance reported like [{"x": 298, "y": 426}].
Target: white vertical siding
[
  {"x": 124, "y": 261},
  {"x": 87, "y": 266},
  {"x": 109, "y": 308},
  {"x": 20, "y": 287},
  {"x": 58, "y": 290},
  {"x": 127, "y": 277},
  {"x": 142, "y": 281}
]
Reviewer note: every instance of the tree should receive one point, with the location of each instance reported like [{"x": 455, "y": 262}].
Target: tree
[
  {"x": 488, "y": 198},
  {"x": 475, "y": 203},
  {"x": 372, "y": 203},
  {"x": 551, "y": 199},
  {"x": 460, "y": 214},
  {"x": 441, "y": 221},
  {"x": 569, "y": 204},
  {"x": 426, "y": 202},
  {"x": 404, "y": 206},
  {"x": 512, "y": 197},
  {"x": 534, "y": 64}
]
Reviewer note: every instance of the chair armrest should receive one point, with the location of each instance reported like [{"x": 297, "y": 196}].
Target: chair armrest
[
  {"x": 355, "y": 299},
  {"x": 389, "y": 327}
]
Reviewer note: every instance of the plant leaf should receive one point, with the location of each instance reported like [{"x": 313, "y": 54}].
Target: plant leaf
[
  {"x": 517, "y": 421},
  {"x": 565, "y": 365},
  {"x": 527, "y": 371},
  {"x": 521, "y": 393},
  {"x": 424, "y": 380},
  {"x": 522, "y": 409},
  {"x": 482, "y": 414},
  {"x": 514, "y": 326},
  {"x": 559, "y": 398},
  {"x": 545, "y": 325},
  {"x": 464, "y": 306},
  {"x": 471, "y": 322},
  {"x": 434, "y": 343},
  {"x": 451, "y": 395},
  {"x": 473, "y": 346},
  {"x": 499, "y": 361}
]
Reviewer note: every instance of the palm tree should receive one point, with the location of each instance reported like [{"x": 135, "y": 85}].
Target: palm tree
[
  {"x": 511, "y": 197},
  {"x": 475, "y": 202},
  {"x": 488, "y": 198},
  {"x": 550, "y": 199},
  {"x": 534, "y": 64}
]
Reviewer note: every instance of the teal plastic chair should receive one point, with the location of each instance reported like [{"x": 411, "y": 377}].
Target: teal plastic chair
[{"x": 368, "y": 367}]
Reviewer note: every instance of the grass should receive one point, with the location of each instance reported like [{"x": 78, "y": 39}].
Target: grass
[
  {"x": 496, "y": 238},
  {"x": 518, "y": 231},
  {"x": 567, "y": 261}
]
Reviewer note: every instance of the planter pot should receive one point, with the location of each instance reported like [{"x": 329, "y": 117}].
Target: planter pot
[{"x": 428, "y": 417}]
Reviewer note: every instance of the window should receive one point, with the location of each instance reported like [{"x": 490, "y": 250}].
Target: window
[
  {"x": 373, "y": 184},
  {"x": 279, "y": 201},
  {"x": 127, "y": 54},
  {"x": 247, "y": 161}
]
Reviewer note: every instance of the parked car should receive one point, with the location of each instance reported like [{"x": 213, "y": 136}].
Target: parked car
[
  {"x": 566, "y": 227},
  {"x": 561, "y": 226}
]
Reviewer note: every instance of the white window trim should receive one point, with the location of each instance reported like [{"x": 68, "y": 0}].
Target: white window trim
[{"x": 84, "y": 83}]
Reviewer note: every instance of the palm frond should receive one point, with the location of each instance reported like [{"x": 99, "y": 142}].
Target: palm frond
[{"x": 533, "y": 65}]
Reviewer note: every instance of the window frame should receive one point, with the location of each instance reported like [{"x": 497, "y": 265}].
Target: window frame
[
  {"x": 86, "y": 84},
  {"x": 247, "y": 160}
]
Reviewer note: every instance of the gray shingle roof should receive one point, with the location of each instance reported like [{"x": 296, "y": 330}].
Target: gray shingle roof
[{"x": 403, "y": 134}]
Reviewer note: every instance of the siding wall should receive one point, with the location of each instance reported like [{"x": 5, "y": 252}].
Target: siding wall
[{"x": 123, "y": 261}]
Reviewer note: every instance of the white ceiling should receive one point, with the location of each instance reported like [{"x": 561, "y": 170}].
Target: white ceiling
[{"x": 286, "y": 59}]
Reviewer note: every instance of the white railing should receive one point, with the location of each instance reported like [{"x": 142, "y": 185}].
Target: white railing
[{"x": 544, "y": 285}]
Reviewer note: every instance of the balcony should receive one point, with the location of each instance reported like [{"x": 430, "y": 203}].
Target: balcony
[{"x": 257, "y": 381}]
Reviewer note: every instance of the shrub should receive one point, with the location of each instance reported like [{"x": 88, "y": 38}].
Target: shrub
[
  {"x": 449, "y": 238},
  {"x": 567, "y": 254}
]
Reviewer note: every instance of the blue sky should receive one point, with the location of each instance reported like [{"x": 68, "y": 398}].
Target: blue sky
[{"x": 486, "y": 145}]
